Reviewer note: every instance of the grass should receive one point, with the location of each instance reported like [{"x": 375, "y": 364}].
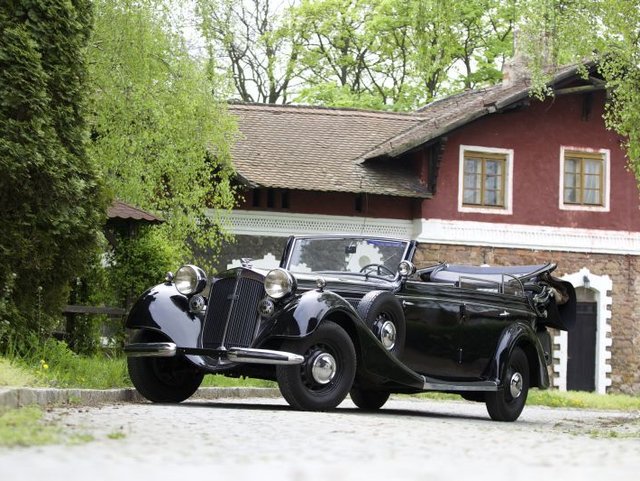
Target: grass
[
  {"x": 14, "y": 375},
  {"x": 53, "y": 364},
  {"x": 25, "y": 427},
  {"x": 566, "y": 399},
  {"x": 216, "y": 380},
  {"x": 585, "y": 400}
]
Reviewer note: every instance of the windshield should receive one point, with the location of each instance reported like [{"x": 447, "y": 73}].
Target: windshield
[{"x": 347, "y": 255}]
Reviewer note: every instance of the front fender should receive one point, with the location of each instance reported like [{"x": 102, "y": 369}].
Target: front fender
[
  {"x": 163, "y": 309},
  {"x": 302, "y": 316},
  {"x": 520, "y": 334},
  {"x": 377, "y": 368}
]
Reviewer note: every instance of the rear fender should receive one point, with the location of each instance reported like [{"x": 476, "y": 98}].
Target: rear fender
[
  {"x": 520, "y": 335},
  {"x": 163, "y": 309}
]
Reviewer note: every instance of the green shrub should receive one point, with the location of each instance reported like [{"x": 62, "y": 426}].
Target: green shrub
[{"x": 52, "y": 202}]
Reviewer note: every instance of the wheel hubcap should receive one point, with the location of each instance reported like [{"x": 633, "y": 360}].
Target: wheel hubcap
[
  {"x": 323, "y": 368},
  {"x": 388, "y": 335},
  {"x": 515, "y": 385}
]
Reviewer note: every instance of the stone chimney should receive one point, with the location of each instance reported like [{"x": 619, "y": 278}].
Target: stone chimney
[
  {"x": 519, "y": 66},
  {"x": 516, "y": 68}
]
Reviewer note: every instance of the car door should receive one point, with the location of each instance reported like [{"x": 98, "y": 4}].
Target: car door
[
  {"x": 433, "y": 323},
  {"x": 484, "y": 317}
]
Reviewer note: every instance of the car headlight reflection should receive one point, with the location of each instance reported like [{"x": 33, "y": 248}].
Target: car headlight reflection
[
  {"x": 190, "y": 280},
  {"x": 278, "y": 283}
]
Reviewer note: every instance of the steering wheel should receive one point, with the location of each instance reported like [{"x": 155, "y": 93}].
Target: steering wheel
[{"x": 378, "y": 268}]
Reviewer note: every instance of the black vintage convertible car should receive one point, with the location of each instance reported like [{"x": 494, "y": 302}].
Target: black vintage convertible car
[{"x": 352, "y": 315}]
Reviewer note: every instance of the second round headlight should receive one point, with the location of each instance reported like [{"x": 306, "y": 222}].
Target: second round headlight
[
  {"x": 190, "y": 279},
  {"x": 278, "y": 283}
]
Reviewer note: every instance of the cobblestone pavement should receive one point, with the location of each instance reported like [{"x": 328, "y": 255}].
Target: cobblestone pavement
[{"x": 409, "y": 439}]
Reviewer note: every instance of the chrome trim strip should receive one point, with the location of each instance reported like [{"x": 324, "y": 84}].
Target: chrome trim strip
[
  {"x": 434, "y": 385},
  {"x": 151, "y": 349},
  {"x": 263, "y": 356}
]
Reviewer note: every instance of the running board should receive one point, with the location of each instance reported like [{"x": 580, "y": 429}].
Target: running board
[{"x": 431, "y": 384}]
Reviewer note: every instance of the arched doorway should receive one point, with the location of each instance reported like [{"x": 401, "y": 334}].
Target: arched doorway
[{"x": 582, "y": 358}]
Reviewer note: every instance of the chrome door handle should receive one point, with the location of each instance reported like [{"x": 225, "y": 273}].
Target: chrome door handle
[{"x": 504, "y": 314}]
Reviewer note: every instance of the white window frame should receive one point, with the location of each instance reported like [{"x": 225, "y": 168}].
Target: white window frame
[
  {"x": 508, "y": 183},
  {"x": 606, "y": 184}
]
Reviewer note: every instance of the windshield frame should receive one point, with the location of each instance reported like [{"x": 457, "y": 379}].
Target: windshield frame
[{"x": 409, "y": 247}]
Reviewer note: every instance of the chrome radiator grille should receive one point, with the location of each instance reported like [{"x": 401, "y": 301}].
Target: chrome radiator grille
[{"x": 232, "y": 315}]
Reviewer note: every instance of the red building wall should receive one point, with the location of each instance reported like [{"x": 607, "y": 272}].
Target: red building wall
[
  {"x": 335, "y": 203},
  {"x": 536, "y": 134}
]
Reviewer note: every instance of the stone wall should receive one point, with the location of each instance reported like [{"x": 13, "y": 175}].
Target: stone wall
[{"x": 624, "y": 271}]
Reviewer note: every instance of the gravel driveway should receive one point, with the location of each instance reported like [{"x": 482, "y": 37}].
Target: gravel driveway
[{"x": 410, "y": 439}]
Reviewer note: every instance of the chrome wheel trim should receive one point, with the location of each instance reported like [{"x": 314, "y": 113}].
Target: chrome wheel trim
[
  {"x": 515, "y": 385},
  {"x": 324, "y": 368},
  {"x": 388, "y": 334}
]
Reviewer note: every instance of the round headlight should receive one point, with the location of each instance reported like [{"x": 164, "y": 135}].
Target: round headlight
[
  {"x": 278, "y": 283},
  {"x": 190, "y": 280}
]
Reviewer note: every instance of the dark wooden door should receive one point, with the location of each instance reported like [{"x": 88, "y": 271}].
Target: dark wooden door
[{"x": 581, "y": 364}]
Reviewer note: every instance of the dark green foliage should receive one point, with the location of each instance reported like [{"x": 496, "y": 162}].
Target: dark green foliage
[
  {"x": 140, "y": 262},
  {"x": 51, "y": 199}
]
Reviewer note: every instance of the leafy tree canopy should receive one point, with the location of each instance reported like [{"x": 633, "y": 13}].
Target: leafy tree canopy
[
  {"x": 368, "y": 53},
  {"x": 158, "y": 132}
]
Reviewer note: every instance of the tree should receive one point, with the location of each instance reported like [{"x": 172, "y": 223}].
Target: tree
[
  {"x": 51, "y": 199},
  {"x": 602, "y": 31},
  {"x": 257, "y": 44},
  {"x": 399, "y": 54},
  {"x": 159, "y": 133}
]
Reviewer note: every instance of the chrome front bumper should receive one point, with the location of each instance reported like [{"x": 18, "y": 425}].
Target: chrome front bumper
[{"x": 233, "y": 354}]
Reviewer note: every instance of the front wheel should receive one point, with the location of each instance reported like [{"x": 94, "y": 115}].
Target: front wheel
[
  {"x": 508, "y": 403},
  {"x": 163, "y": 379},
  {"x": 325, "y": 377}
]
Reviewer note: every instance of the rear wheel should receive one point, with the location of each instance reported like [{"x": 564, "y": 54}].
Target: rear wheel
[
  {"x": 508, "y": 403},
  {"x": 367, "y": 399},
  {"x": 163, "y": 379},
  {"x": 325, "y": 377}
]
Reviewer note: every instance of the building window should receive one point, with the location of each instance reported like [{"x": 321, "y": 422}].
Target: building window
[
  {"x": 284, "y": 198},
  {"x": 485, "y": 180},
  {"x": 255, "y": 201},
  {"x": 359, "y": 203},
  {"x": 584, "y": 179},
  {"x": 271, "y": 199}
]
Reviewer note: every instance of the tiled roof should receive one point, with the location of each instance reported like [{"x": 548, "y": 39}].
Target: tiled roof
[
  {"x": 312, "y": 148},
  {"x": 326, "y": 149},
  {"x": 449, "y": 113},
  {"x": 120, "y": 210}
]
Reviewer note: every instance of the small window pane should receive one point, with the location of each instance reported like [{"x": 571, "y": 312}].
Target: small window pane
[
  {"x": 494, "y": 168},
  {"x": 472, "y": 166},
  {"x": 570, "y": 196},
  {"x": 591, "y": 197},
  {"x": 472, "y": 181},
  {"x": 472, "y": 197},
  {"x": 592, "y": 167}
]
